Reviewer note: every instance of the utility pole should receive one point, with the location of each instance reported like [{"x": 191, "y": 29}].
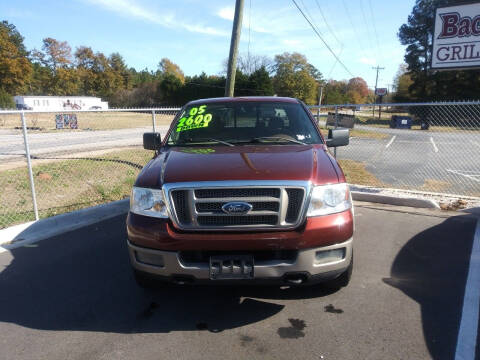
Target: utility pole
[
  {"x": 232, "y": 58},
  {"x": 378, "y": 68}
]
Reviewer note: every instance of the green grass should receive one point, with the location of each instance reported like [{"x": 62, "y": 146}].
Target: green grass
[
  {"x": 368, "y": 134},
  {"x": 67, "y": 185},
  {"x": 360, "y": 133}
]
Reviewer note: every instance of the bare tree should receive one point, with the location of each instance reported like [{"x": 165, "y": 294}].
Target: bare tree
[{"x": 249, "y": 63}]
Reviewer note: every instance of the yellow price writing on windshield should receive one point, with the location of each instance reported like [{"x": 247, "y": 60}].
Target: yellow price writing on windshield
[
  {"x": 197, "y": 110},
  {"x": 197, "y": 119}
]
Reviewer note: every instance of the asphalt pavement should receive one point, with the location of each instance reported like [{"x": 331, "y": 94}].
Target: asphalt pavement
[
  {"x": 420, "y": 159},
  {"x": 74, "y": 297},
  {"x": 12, "y": 146}
]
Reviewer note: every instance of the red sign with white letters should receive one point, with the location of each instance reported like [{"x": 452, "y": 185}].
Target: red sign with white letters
[{"x": 456, "y": 39}]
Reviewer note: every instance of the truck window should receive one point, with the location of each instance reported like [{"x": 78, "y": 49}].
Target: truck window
[{"x": 240, "y": 122}]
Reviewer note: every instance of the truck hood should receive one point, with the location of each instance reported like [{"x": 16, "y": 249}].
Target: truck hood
[{"x": 286, "y": 162}]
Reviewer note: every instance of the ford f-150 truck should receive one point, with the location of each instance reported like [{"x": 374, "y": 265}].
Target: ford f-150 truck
[{"x": 242, "y": 190}]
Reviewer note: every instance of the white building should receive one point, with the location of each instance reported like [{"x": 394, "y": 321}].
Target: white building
[{"x": 59, "y": 103}]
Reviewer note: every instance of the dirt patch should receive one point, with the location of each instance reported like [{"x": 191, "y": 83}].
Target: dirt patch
[
  {"x": 87, "y": 120},
  {"x": 356, "y": 173},
  {"x": 435, "y": 185},
  {"x": 44, "y": 176}
]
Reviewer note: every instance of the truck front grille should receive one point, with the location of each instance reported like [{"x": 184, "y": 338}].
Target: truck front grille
[
  {"x": 232, "y": 193},
  {"x": 238, "y": 220},
  {"x": 295, "y": 199},
  {"x": 180, "y": 201},
  {"x": 200, "y": 208}
]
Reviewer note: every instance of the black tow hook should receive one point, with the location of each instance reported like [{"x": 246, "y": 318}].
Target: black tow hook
[{"x": 182, "y": 280}]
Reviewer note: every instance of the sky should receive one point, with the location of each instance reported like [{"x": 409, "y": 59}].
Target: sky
[{"x": 195, "y": 34}]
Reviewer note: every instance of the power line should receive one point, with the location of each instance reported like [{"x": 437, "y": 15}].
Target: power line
[
  {"x": 335, "y": 63},
  {"x": 374, "y": 28},
  {"x": 312, "y": 19},
  {"x": 358, "y": 38},
  {"x": 333, "y": 34},
  {"x": 366, "y": 25},
  {"x": 326, "y": 23},
  {"x": 324, "y": 42}
]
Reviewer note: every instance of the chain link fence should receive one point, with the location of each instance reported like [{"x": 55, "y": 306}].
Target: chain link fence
[
  {"x": 84, "y": 158},
  {"x": 77, "y": 159},
  {"x": 16, "y": 205},
  {"x": 430, "y": 147}
]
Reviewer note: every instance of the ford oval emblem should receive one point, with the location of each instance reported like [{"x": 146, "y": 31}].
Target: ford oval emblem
[{"x": 236, "y": 208}]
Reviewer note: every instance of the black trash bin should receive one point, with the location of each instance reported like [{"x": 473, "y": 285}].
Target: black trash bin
[{"x": 401, "y": 122}]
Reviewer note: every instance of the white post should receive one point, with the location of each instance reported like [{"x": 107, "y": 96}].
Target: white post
[
  {"x": 319, "y": 103},
  {"x": 153, "y": 120},
  {"x": 336, "y": 125},
  {"x": 29, "y": 164}
]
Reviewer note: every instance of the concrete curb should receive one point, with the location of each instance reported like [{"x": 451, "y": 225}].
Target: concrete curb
[
  {"x": 31, "y": 232},
  {"x": 394, "y": 200}
]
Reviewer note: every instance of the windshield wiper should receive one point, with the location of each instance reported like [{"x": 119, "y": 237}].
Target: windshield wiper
[
  {"x": 196, "y": 141},
  {"x": 278, "y": 138},
  {"x": 221, "y": 142}
]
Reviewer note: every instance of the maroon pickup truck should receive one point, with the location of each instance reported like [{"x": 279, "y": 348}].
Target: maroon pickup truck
[{"x": 242, "y": 190}]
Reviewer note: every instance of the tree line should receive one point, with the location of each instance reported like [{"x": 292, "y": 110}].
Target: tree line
[{"x": 57, "y": 69}]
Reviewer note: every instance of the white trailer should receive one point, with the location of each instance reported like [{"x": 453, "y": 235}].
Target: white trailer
[{"x": 59, "y": 103}]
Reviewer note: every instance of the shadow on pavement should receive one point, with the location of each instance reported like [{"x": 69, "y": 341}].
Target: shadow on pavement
[
  {"x": 431, "y": 269},
  {"x": 82, "y": 281}
]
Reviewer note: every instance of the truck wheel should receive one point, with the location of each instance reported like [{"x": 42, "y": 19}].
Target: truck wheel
[{"x": 343, "y": 280}]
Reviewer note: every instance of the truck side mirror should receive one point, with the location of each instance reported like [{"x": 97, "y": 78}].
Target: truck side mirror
[
  {"x": 338, "y": 137},
  {"x": 151, "y": 141}
]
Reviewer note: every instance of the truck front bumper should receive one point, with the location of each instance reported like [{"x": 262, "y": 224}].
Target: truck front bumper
[{"x": 308, "y": 265}]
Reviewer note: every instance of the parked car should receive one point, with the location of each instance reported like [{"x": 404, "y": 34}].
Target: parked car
[{"x": 242, "y": 190}]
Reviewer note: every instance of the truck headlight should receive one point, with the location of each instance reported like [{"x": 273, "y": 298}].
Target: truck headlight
[
  {"x": 148, "y": 202},
  {"x": 329, "y": 199}
]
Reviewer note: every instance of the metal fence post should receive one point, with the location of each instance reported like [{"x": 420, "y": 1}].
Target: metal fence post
[
  {"x": 336, "y": 125},
  {"x": 153, "y": 120},
  {"x": 29, "y": 164}
]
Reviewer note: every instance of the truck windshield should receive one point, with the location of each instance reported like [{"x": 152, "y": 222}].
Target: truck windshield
[{"x": 242, "y": 123}]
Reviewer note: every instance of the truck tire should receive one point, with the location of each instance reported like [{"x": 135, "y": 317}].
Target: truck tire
[{"x": 343, "y": 280}]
